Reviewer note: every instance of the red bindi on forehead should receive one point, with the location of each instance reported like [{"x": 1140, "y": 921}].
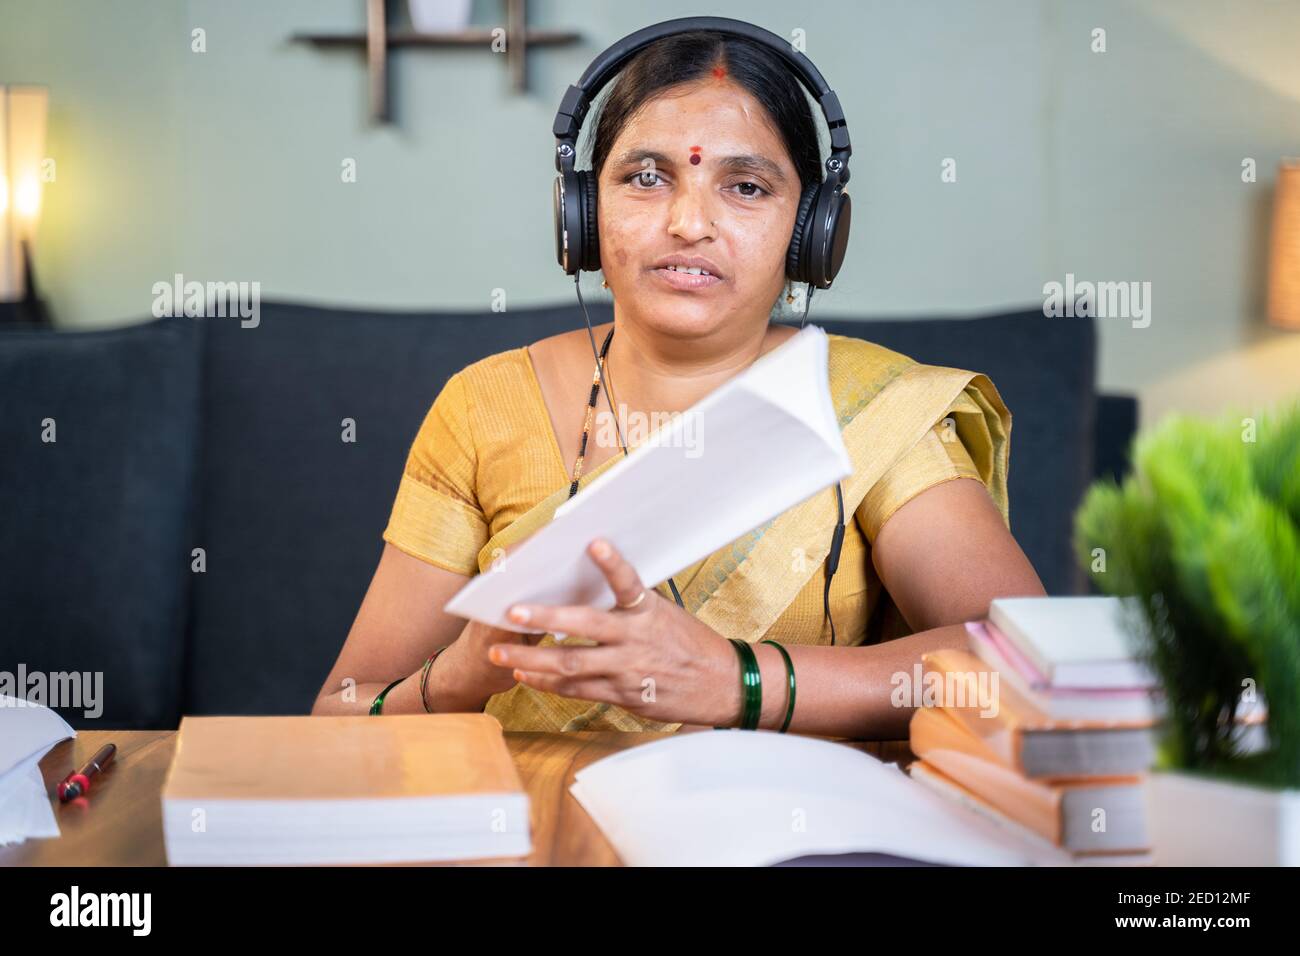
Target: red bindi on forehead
[{"x": 695, "y": 155}]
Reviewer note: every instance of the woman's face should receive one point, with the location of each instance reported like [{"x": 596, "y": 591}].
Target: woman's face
[{"x": 698, "y": 173}]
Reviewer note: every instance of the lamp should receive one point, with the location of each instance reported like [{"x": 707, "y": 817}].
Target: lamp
[
  {"x": 22, "y": 148},
  {"x": 1284, "y": 250}
]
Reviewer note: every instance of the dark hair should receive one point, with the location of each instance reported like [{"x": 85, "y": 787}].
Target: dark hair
[{"x": 686, "y": 57}]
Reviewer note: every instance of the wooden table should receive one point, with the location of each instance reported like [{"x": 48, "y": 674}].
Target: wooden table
[{"x": 120, "y": 823}]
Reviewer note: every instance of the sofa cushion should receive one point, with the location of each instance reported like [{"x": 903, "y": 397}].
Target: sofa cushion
[
  {"x": 94, "y": 546},
  {"x": 292, "y": 513},
  {"x": 1044, "y": 369},
  {"x": 1117, "y": 425}
]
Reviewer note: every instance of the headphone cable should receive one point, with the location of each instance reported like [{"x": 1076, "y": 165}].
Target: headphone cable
[
  {"x": 837, "y": 538},
  {"x": 600, "y": 369},
  {"x": 807, "y": 305}
]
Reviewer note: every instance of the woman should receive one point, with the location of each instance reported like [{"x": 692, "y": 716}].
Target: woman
[{"x": 700, "y": 153}]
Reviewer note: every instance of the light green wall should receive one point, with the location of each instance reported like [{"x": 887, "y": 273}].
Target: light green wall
[{"x": 1125, "y": 165}]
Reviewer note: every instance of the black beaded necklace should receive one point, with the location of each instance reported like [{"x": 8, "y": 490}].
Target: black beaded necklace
[{"x": 586, "y": 431}]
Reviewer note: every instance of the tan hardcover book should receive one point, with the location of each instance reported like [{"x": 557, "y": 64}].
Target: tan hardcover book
[
  {"x": 343, "y": 790},
  {"x": 922, "y": 772},
  {"x": 1020, "y": 736},
  {"x": 1098, "y": 815}
]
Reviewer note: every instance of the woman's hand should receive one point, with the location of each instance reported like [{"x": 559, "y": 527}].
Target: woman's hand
[
  {"x": 464, "y": 671},
  {"x": 654, "y": 659},
  {"x": 463, "y": 677}
]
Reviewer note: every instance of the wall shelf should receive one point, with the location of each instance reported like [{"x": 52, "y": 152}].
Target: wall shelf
[{"x": 377, "y": 40}]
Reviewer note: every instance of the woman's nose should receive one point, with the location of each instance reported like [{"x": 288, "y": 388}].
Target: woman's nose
[{"x": 690, "y": 217}]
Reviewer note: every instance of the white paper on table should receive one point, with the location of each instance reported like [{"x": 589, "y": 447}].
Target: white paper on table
[
  {"x": 27, "y": 732},
  {"x": 758, "y": 445},
  {"x": 737, "y": 798},
  {"x": 25, "y": 808}
]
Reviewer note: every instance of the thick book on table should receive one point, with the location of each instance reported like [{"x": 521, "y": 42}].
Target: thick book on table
[
  {"x": 1076, "y": 641},
  {"x": 1062, "y": 703},
  {"x": 927, "y": 775},
  {"x": 295, "y": 790},
  {"x": 1010, "y": 730},
  {"x": 1097, "y": 815}
]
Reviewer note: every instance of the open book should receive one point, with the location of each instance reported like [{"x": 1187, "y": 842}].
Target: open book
[
  {"x": 755, "y": 447},
  {"x": 754, "y": 798}
]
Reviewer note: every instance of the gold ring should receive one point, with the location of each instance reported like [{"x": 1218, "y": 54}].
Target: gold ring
[{"x": 639, "y": 598}]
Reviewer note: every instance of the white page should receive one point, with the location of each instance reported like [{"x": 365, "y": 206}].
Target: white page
[
  {"x": 25, "y": 807},
  {"x": 27, "y": 728},
  {"x": 754, "y": 448},
  {"x": 741, "y": 798},
  {"x": 27, "y": 732}
]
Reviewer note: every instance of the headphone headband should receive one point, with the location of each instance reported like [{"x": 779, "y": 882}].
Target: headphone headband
[{"x": 577, "y": 99}]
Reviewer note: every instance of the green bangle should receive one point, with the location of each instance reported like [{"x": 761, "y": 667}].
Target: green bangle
[
  {"x": 751, "y": 682},
  {"x": 377, "y": 707},
  {"x": 789, "y": 671}
]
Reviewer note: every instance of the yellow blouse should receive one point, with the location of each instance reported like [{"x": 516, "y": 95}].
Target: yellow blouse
[{"x": 486, "y": 454}]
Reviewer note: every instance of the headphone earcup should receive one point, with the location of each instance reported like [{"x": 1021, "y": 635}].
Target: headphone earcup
[
  {"x": 568, "y": 222},
  {"x": 828, "y": 236},
  {"x": 590, "y": 236},
  {"x": 576, "y": 244},
  {"x": 795, "y": 258},
  {"x": 821, "y": 231}
]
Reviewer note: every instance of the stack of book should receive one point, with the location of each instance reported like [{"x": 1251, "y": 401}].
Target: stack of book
[{"x": 1046, "y": 725}]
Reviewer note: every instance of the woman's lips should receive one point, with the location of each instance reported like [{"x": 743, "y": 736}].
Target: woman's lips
[{"x": 686, "y": 281}]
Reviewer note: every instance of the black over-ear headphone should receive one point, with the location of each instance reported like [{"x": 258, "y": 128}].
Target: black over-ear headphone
[{"x": 821, "y": 225}]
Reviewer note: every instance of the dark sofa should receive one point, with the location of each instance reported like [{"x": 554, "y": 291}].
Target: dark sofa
[{"x": 180, "y": 434}]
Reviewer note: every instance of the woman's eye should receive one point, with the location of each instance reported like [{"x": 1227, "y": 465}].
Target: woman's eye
[
  {"x": 646, "y": 178},
  {"x": 750, "y": 190}
]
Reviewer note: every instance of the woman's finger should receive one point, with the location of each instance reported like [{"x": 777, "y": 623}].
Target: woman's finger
[
  {"x": 622, "y": 577},
  {"x": 572, "y": 662},
  {"x": 576, "y": 619}
]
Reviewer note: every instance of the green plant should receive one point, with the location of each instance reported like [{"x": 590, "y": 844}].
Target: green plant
[{"x": 1203, "y": 542}]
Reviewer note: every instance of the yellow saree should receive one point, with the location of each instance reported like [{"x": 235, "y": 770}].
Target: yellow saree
[{"x": 886, "y": 404}]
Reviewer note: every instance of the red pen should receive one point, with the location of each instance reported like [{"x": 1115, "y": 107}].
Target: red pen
[{"x": 77, "y": 783}]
